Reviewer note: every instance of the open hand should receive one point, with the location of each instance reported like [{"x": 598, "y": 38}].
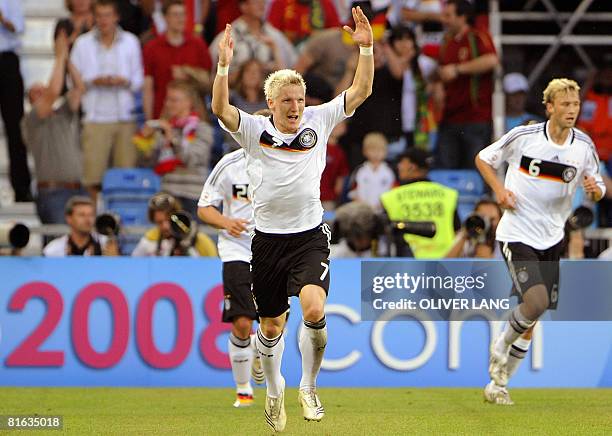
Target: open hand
[
  {"x": 226, "y": 47},
  {"x": 362, "y": 34}
]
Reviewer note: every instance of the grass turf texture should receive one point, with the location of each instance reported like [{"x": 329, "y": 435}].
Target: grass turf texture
[{"x": 350, "y": 411}]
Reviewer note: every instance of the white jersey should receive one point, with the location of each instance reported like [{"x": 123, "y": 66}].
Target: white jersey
[
  {"x": 285, "y": 169},
  {"x": 544, "y": 177},
  {"x": 227, "y": 186}
]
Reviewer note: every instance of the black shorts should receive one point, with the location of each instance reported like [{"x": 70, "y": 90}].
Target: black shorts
[
  {"x": 529, "y": 266},
  {"x": 237, "y": 295},
  {"x": 283, "y": 264}
]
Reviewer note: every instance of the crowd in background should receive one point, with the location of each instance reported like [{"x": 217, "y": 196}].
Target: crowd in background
[{"x": 131, "y": 81}]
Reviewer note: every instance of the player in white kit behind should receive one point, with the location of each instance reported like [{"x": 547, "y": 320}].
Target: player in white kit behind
[
  {"x": 546, "y": 163},
  {"x": 226, "y": 190}
]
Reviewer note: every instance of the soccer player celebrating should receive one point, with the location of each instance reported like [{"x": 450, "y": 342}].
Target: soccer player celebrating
[
  {"x": 290, "y": 248},
  {"x": 227, "y": 187},
  {"x": 546, "y": 163}
]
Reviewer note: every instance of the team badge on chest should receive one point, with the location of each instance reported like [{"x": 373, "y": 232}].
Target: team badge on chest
[{"x": 307, "y": 138}]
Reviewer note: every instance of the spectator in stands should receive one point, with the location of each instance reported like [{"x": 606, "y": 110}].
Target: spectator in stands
[
  {"x": 407, "y": 64},
  {"x": 11, "y": 96},
  {"x": 161, "y": 241},
  {"x": 134, "y": 16},
  {"x": 82, "y": 240},
  {"x": 516, "y": 88},
  {"x": 336, "y": 170},
  {"x": 109, "y": 61},
  {"x": 173, "y": 55},
  {"x": 419, "y": 199},
  {"x": 374, "y": 177},
  {"x": 467, "y": 60},
  {"x": 254, "y": 38},
  {"x": 326, "y": 54},
  {"x": 480, "y": 245},
  {"x": 220, "y": 12},
  {"x": 179, "y": 144},
  {"x": 380, "y": 112},
  {"x": 318, "y": 90},
  {"x": 425, "y": 19},
  {"x": 51, "y": 132},
  {"x": 299, "y": 19},
  {"x": 80, "y": 21},
  {"x": 248, "y": 94},
  {"x": 596, "y": 110}
]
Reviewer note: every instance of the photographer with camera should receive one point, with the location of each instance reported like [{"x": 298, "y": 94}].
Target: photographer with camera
[
  {"x": 175, "y": 232},
  {"x": 82, "y": 239},
  {"x": 355, "y": 231},
  {"x": 477, "y": 235},
  {"x": 420, "y": 200}
]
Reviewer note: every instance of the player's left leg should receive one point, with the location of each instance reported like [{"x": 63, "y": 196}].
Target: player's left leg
[{"x": 312, "y": 343}]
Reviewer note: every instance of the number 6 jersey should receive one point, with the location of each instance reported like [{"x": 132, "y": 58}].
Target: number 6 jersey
[
  {"x": 227, "y": 186},
  {"x": 544, "y": 177}
]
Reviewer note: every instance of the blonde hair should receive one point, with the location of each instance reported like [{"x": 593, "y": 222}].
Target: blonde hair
[
  {"x": 374, "y": 140},
  {"x": 280, "y": 78},
  {"x": 557, "y": 85}
]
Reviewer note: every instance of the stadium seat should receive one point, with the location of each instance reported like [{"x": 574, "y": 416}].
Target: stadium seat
[
  {"x": 126, "y": 191},
  {"x": 468, "y": 183}
]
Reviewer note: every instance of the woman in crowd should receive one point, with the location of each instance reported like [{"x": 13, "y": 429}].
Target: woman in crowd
[
  {"x": 248, "y": 92},
  {"x": 178, "y": 145}
]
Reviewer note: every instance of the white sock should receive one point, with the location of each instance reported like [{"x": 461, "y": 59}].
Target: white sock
[
  {"x": 271, "y": 354},
  {"x": 313, "y": 339},
  {"x": 241, "y": 358},
  {"x": 518, "y": 350},
  {"x": 515, "y": 327}
]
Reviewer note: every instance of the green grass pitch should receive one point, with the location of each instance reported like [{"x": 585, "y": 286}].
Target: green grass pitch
[{"x": 349, "y": 411}]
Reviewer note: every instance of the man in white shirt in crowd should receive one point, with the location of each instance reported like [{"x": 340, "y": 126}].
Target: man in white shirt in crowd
[{"x": 110, "y": 63}]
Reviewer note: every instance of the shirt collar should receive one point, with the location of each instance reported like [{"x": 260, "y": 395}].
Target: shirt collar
[{"x": 116, "y": 38}]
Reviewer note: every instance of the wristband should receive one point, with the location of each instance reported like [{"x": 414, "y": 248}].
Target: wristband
[
  {"x": 222, "y": 70},
  {"x": 366, "y": 50}
]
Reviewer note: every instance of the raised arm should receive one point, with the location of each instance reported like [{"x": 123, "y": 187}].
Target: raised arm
[
  {"x": 361, "y": 88},
  {"x": 221, "y": 106},
  {"x": 44, "y": 105}
]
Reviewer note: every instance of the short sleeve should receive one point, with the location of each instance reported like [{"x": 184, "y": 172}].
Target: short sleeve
[
  {"x": 249, "y": 129},
  {"x": 332, "y": 112},
  {"x": 212, "y": 192},
  {"x": 501, "y": 150},
  {"x": 592, "y": 168}
]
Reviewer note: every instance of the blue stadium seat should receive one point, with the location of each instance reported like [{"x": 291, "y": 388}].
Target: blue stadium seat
[
  {"x": 130, "y": 181},
  {"x": 468, "y": 183},
  {"x": 126, "y": 191}
]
